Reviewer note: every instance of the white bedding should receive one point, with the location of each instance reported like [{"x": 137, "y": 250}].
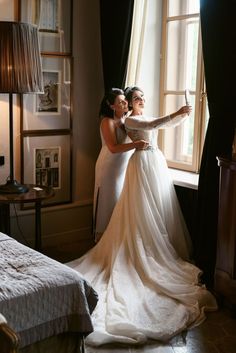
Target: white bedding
[{"x": 41, "y": 297}]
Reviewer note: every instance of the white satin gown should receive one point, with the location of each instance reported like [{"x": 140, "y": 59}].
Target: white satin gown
[
  {"x": 147, "y": 289},
  {"x": 109, "y": 179}
]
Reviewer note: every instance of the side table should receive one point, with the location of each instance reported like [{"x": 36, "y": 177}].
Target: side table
[{"x": 36, "y": 194}]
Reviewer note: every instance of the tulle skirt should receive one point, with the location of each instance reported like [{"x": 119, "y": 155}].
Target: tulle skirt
[{"x": 141, "y": 269}]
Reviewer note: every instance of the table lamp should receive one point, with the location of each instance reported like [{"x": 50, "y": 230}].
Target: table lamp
[{"x": 20, "y": 72}]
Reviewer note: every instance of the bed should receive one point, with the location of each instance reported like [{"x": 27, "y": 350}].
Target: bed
[{"x": 47, "y": 304}]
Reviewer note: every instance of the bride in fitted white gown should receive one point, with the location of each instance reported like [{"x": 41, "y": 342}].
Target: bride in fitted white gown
[
  {"x": 146, "y": 288},
  {"x": 110, "y": 174}
]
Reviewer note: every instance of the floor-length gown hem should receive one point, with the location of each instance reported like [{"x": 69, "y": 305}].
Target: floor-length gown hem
[{"x": 140, "y": 268}]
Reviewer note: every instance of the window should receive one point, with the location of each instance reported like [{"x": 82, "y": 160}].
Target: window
[{"x": 182, "y": 68}]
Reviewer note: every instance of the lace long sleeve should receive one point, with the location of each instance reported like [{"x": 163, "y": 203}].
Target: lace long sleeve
[
  {"x": 175, "y": 121},
  {"x": 140, "y": 122}
]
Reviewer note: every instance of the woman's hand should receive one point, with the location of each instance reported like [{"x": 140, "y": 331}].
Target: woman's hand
[
  {"x": 180, "y": 116},
  {"x": 186, "y": 109},
  {"x": 141, "y": 144}
]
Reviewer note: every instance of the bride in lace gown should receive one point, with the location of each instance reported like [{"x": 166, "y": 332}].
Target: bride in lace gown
[{"x": 147, "y": 289}]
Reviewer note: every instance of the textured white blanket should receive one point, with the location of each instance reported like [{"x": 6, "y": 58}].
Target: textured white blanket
[{"x": 40, "y": 297}]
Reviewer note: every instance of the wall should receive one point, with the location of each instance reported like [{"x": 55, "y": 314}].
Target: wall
[{"x": 72, "y": 222}]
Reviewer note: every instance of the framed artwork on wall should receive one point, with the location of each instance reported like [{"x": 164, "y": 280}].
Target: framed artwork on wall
[
  {"x": 50, "y": 110},
  {"x": 53, "y": 19},
  {"x": 46, "y": 161},
  {"x": 48, "y": 16},
  {"x": 46, "y": 122},
  {"x": 50, "y": 101},
  {"x": 47, "y": 166}
]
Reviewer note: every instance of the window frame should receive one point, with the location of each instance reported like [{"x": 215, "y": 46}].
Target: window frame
[{"x": 200, "y": 95}]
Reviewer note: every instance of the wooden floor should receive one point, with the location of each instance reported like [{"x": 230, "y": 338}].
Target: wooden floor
[{"x": 216, "y": 335}]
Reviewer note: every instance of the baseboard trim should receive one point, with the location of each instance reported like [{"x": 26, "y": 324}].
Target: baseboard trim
[{"x": 70, "y": 236}]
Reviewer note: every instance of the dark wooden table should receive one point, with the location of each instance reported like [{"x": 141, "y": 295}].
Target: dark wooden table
[{"x": 35, "y": 194}]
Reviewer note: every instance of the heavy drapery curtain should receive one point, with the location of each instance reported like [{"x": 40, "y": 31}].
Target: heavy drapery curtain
[
  {"x": 218, "y": 40},
  {"x": 116, "y": 23}
]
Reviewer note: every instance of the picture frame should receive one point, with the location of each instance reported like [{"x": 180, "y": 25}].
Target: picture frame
[
  {"x": 47, "y": 166},
  {"x": 49, "y": 103},
  {"x": 46, "y": 161},
  {"x": 53, "y": 19},
  {"x": 48, "y": 16},
  {"x": 46, "y": 122},
  {"x": 52, "y": 109}
]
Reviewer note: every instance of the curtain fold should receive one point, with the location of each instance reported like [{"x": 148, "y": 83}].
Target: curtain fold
[
  {"x": 116, "y": 23},
  {"x": 137, "y": 42},
  {"x": 218, "y": 38}
]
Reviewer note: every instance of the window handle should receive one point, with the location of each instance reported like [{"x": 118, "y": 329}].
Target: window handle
[{"x": 203, "y": 95}]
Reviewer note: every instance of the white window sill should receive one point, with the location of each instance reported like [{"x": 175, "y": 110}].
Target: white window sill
[{"x": 184, "y": 178}]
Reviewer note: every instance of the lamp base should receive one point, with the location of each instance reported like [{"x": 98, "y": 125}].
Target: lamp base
[{"x": 13, "y": 187}]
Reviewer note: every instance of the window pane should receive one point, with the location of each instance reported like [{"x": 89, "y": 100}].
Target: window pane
[
  {"x": 178, "y": 141},
  {"x": 182, "y": 50},
  {"x": 183, "y": 7}
]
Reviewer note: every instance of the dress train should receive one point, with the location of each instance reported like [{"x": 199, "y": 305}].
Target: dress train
[{"x": 147, "y": 287}]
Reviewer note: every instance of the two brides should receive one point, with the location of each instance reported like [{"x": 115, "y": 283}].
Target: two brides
[{"x": 113, "y": 158}]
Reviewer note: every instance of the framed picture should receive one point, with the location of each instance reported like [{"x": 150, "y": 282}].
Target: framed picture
[
  {"x": 47, "y": 166},
  {"x": 47, "y": 162},
  {"x": 53, "y": 19},
  {"x": 50, "y": 110},
  {"x": 48, "y": 16},
  {"x": 49, "y": 102}
]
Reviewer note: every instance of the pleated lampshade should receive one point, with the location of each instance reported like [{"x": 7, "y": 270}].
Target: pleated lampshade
[
  {"x": 20, "y": 72},
  {"x": 20, "y": 61}
]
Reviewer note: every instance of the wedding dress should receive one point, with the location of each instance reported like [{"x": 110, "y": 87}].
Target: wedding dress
[
  {"x": 109, "y": 178},
  {"x": 147, "y": 289}
]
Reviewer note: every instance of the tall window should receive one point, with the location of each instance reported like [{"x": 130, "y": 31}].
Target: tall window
[{"x": 182, "y": 68}]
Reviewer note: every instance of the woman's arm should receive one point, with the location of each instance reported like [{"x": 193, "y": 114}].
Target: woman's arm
[
  {"x": 140, "y": 123},
  {"x": 109, "y": 134},
  {"x": 179, "y": 116}
]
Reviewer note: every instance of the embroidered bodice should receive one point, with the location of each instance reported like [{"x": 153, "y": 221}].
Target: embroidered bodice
[{"x": 140, "y": 127}]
